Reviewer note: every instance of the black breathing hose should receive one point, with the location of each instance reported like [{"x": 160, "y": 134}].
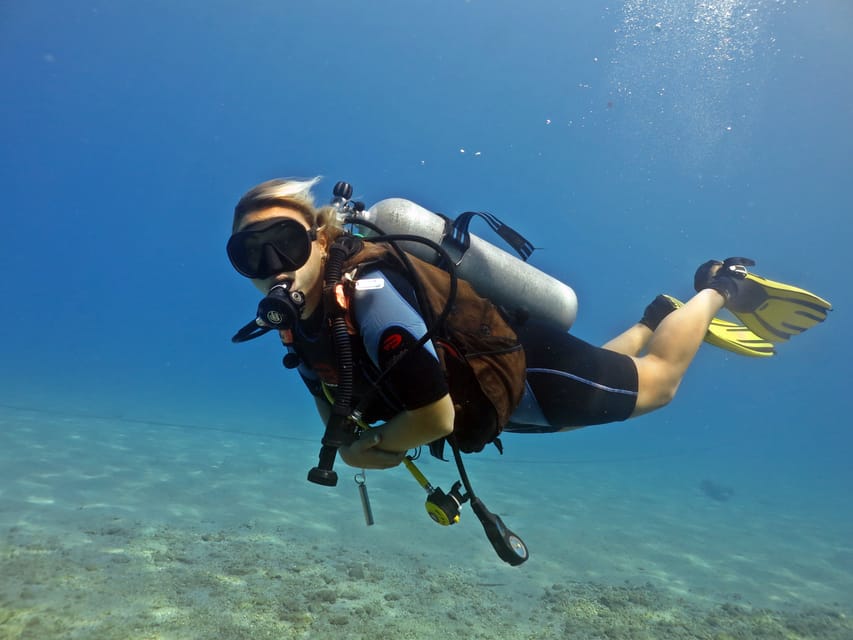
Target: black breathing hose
[{"x": 339, "y": 431}]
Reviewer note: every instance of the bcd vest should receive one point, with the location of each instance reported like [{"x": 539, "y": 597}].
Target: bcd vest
[{"x": 479, "y": 352}]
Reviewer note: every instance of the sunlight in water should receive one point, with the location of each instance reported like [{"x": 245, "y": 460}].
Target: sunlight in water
[{"x": 686, "y": 73}]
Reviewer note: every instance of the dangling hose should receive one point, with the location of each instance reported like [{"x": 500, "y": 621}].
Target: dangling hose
[{"x": 339, "y": 428}]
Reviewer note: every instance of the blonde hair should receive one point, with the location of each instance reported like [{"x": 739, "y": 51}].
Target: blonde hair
[{"x": 294, "y": 193}]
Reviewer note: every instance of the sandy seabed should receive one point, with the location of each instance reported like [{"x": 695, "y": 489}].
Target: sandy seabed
[{"x": 128, "y": 530}]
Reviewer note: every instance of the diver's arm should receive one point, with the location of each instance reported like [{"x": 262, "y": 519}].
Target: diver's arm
[
  {"x": 386, "y": 445},
  {"x": 408, "y": 429},
  {"x": 416, "y": 427}
]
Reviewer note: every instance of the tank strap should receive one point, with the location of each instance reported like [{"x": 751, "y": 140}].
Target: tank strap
[{"x": 456, "y": 233}]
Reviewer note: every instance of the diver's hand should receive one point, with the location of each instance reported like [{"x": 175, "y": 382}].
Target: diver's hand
[{"x": 365, "y": 454}]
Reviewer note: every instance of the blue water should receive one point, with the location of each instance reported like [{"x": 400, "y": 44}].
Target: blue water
[{"x": 631, "y": 141}]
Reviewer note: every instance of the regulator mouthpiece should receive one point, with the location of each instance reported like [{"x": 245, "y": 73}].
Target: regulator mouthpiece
[{"x": 282, "y": 307}]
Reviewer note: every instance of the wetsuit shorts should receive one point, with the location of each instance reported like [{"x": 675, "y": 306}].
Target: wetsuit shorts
[{"x": 571, "y": 383}]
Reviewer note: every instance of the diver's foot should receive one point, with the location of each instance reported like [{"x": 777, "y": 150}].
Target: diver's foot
[
  {"x": 658, "y": 309},
  {"x": 722, "y": 277}
]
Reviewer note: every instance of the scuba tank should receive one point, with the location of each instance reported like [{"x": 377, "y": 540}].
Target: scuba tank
[{"x": 520, "y": 288}]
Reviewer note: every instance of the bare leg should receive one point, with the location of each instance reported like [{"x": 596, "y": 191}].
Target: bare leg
[
  {"x": 671, "y": 349},
  {"x": 632, "y": 342}
]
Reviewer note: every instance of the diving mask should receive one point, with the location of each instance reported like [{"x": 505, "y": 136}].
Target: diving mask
[{"x": 270, "y": 247}]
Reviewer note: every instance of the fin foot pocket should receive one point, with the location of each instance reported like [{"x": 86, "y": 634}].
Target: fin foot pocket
[{"x": 773, "y": 311}]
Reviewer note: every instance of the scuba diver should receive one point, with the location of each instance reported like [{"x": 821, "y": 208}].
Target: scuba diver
[{"x": 383, "y": 337}]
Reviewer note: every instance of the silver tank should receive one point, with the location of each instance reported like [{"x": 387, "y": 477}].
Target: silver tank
[{"x": 497, "y": 275}]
